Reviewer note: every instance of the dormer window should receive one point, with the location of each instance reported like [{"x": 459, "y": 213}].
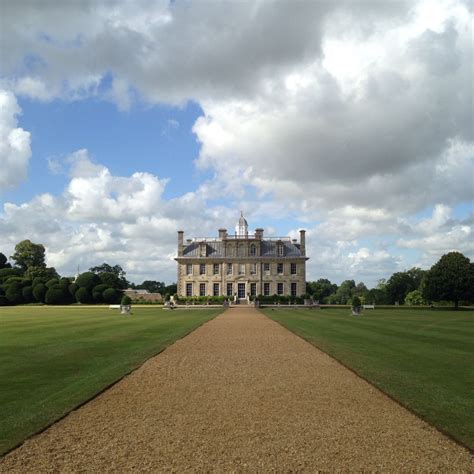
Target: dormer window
[
  {"x": 280, "y": 249},
  {"x": 253, "y": 250},
  {"x": 202, "y": 249}
]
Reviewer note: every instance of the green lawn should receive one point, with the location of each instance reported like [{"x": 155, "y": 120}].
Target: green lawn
[
  {"x": 54, "y": 358},
  {"x": 422, "y": 358}
]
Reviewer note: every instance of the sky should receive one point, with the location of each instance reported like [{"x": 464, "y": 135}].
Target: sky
[{"x": 122, "y": 122}]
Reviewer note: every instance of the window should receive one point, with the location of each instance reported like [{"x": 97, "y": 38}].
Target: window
[
  {"x": 230, "y": 289},
  {"x": 253, "y": 289},
  {"x": 189, "y": 269},
  {"x": 293, "y": 268},
  {"x": 215, "y": 289},
  {"x": 280, "y": 249},
  {"x": 202, "y": 289},
  {"x": 202, "y": 269},
  {"x": 216, "y": 269},
  {"x": 266, "y": 289},
  {"x": 253, "y": 250},
  {"x": 253, "y": 268},
  {"x": 189, "y": 289},
  {"x": 280, "y": 268},
  {"x": 280, "y": 289},
  {"x": 241, "y": 268},
  {"x": 241, "y": 251},
  {"x": 266, "y": 268},
  {"x": 293, "y": 289},
  {"x": 229, "y": 269}
]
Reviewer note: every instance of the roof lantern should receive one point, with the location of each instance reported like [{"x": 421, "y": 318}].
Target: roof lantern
[{"x": 242, "y": 228}]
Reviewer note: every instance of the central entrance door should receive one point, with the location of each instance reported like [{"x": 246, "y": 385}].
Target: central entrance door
[{"x": 241, "y": 290}]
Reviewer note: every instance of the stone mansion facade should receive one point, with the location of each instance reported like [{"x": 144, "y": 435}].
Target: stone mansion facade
[{"x": 241, "y": 265}]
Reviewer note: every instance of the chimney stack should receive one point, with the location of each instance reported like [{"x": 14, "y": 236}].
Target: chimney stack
[
  {"x": 259, "y": 233},
  {"x": 180, "y": 242},
  {"x": 222, "y": 234},
  {"x": 303, "y": 241}
]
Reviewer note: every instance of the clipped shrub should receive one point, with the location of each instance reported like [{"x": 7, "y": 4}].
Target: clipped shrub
[
  {"x": 415, "y": 298},
  {"x": 83, "y": 295},
  {"x": 14, "y": 295},
  {"x": 72, "y": 288},
  {"x": 126, "y": 300},
  {"x": 55, "y": 295},
  {"x": 87, "y": 280},
  {"x": 100, "y": 288},
  {"x": 9, "y": 272},
  {"x": 52, "y": 282},
  {"x": 3, "y": 300},
  {"x": 97, "y": 297},
  {"x": 37, "y": 281},
  {"x": 356, "y": 302},
  {"x": 64, "y": 283},
  {"x": 27, "y": 294},
  {"x": 110, "y": 295},
  {"x": 39, "y": 292}
]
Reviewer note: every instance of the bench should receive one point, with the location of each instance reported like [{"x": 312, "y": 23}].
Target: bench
[
  {"x": 368, "y": 306},
  {"x": 114, "y": 306}
]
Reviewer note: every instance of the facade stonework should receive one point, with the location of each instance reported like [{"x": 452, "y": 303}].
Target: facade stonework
[{"x": 241, "y": 264}]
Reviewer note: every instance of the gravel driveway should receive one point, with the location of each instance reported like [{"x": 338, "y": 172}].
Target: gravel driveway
[{"x": 240, "y": 393}]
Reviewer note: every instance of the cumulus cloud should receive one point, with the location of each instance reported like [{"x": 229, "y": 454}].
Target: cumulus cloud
[{"x": 15, "y": 149}]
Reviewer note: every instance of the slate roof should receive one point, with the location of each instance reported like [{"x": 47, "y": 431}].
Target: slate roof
[{"x": 268, "y": 249}]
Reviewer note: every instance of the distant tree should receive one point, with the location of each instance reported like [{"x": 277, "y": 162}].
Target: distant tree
[
  {"x": 415, "y": 298},
  {"x": 356, "y": 302},
  {"x": 153, "y": 286},
  {"x": 110, "y": 295},
  {"x": 360, "y": 290},
  {"x": 171, "y": 289},
  {"x": 45, "y": 273},
  {"x": 83, "y": 295},
  {"x": 126, "y": 300},
  {"x": 377, "y": 296},
  {"x": 4, "y": 261},
  {"x": 28, "y": 254},
  {"x": 402, "y": 283},
  {"x": 112, "y": 280},
  {"x": 87, "y": 280},
  {"x": 451, "y": 279},
  {"x": 344, "y": 292},
  {"x": 321, "y": 289},
  {"x": 119, "y": 282}
]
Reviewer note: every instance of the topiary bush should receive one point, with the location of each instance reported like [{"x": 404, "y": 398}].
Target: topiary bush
[
  {"x": 39, "y": 292},
  {"x": 126, "y": 300},
  {"x": 356, "y": 302},
  {"x": 111, "y": 296},
  {"x": 13, "y": 295},
  {"x": 87, "y": 280},
  {"x": 52, "y": 282},
  {"x": 83, "y": 295},
  {"x": 27, "y": 294},
  {"x": 54, "y": 295},
  {"x": 3, "y": 300}
]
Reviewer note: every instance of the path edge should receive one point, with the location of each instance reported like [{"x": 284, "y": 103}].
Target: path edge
[
  {"x": 105, "y": 388},
  {"x": 398, "y": 402}
]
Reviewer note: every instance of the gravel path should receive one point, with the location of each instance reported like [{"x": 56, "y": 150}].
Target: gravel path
[{"x": 240, "y": 393}]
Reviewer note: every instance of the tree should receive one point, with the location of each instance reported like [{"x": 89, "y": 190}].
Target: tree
[
  {"x": 4, "y": 261},
  {"x": 28, "y": 254},
  {"x": 56, "y": 295},
  {"x": 402, "y": 283},
  {"x": 321, "y": 289},
  {"x": 153, "y": 286},
  {"x": 110, "y": 295},
  {"x": 87, "y": 280},
  {"x": 451, "y": 279},
  {"x": 344, "y": 292},
  {"x": 117, "y": 270},
  {"x": 39, "y": 292},
  {"x": 83, "y": 295},
  {"x": 111, "y": 280},
  {"x": 126, "y": 300},
  {"x": 27, "y": 293},
  {"x": 415, "y": 298},
  {"x": 45, "y": 273}
]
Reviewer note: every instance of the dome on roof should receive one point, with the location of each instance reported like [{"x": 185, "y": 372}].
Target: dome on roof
[{"x": 242, "y": 228}]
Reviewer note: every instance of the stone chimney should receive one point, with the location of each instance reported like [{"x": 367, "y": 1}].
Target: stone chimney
[
  {"x": 180, "y": 242},
  {"x": 259, "y": 233},
  {"x": 222, "y": 234},
  {"x": 303, "y": 242}
]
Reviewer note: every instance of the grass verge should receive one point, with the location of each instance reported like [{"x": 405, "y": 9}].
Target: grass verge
[
  {"x": 52, "y": 359},
  {"x": 423, "y": 359}
]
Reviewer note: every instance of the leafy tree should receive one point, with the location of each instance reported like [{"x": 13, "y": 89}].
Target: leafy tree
[
  {"x": 111, "y": 280},
  {"x": 376, "y": 296},
  {"x": 39, "y": 292},
  {"x": 356, "y": 302},
  {"x": 126, "y": 300},
  {"x": 83, "y": 295},
  {"x": 6, "y": 273},
  {"x": 415, "y": 298},
  {"x": 45, "y": 273},
  {"x": 171, "y": 289},
  {"x": 4, "y": 261},
  {"x": 321, "y": 289},
  {"x": 451, "y": 278},
  {"x": 87, "y": 280},
  {"x": 360, "y": 290},
  {"x": 119, "y": 282},
  {"x": 110, "y": 295},
  {"x": 344, "y": 292},
  {"x": 28, "y": 254},
  {"x": 153, "y": 286},
  {"x": 402, "y": 283}
]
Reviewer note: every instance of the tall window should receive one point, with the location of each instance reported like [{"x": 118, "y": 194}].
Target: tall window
[
  {"x": 280, "y": 268},
  {"x": 293, "y": 268},
  {"x": 266, "y": 289},
  {"x": 293, "y": 289},
  {"x": 229, "y": 290},
  {"x": 189, "y": 289},
  {"x": 215, "y": 289},
  {"x": 241, "y": 268},
  {"x": 280, "y": 249},
  {"x": 253, "y": 250},
  {"x": 189, "y": 269},
  {"x": 202, "y": 289},
  {"x": 229, "y": 269},
  {"x": 266, "y": 268},
  {"x": 253, "y": 268},
  {"x": 253, "y": 289},
  {"x": 202, "y": 269},
  {"x": 216, "y": 269},
  {"x": 279, "y": 288}
]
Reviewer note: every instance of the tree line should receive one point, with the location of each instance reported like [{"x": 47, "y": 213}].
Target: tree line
[
  {"x": 28, "y": 280},
  {"x": 451, "y": 279}
]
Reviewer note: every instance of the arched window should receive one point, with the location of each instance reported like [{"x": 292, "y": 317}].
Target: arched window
[{"x": 253, "y": 250}]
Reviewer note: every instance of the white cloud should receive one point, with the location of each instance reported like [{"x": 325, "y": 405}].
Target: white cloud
[{"x": 15, "y": 150}]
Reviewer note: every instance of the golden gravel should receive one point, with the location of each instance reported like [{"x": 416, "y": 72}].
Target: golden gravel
[{"x": 240, "y": 393}]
